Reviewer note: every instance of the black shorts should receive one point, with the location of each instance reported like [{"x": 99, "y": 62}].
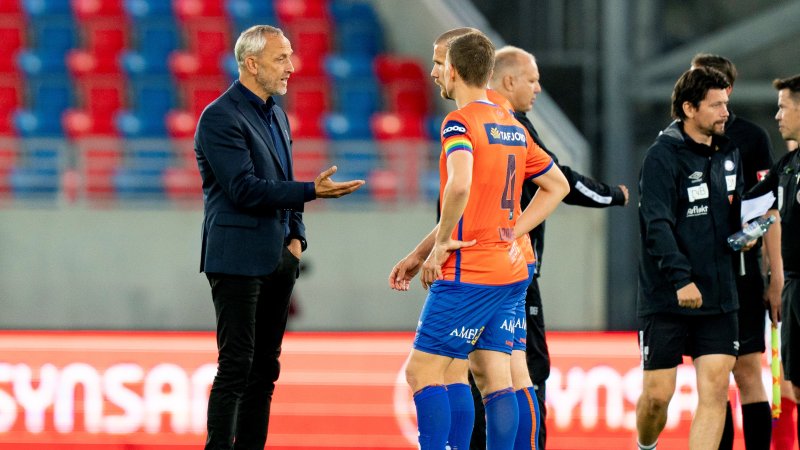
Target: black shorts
[
  {"x": 665, "y": 338},
  {"x": 752, "y": 313},
  {"x": 790, "y": 329}
]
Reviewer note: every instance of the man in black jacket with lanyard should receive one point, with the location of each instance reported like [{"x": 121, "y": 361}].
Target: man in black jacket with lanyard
[
  {"x": 690, "y": 202},
  {"x": 756, "y": 153},
  {"x": 516, "y": 77}
]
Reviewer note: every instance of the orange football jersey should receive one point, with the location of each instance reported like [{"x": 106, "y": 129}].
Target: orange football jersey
[{"x": 503, "y": 156}]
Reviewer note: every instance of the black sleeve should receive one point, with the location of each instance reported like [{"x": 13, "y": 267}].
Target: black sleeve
[
  {"x": 658, "y": 199},
  {"x": 585, "y": 191}
]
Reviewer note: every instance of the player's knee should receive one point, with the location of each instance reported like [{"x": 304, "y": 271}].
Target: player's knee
[{"x": 653, "y": 404}]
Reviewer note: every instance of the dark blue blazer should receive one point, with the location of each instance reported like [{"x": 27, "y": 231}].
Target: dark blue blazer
[{"x": 245, "y": 189}]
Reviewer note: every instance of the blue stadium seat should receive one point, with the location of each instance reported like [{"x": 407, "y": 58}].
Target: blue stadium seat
[
  {"x": 246, "y": 13},
  {"x": 429, "y": 184},
  {"x": 358, "y": 29},
  {"x": 230, "y": 67},
  {"x": 153, "y": 98},
  {"x": 33, "y": 182},
  {"x": 148, "y": 9},
  {"x": 355, "y": 160},
  {"x": 357, "y": 96},
  {"x": 341, "y": 67},
  {"x": 48, "y": 98},
  {"x": 136, "y": 184},
  {"x": 50, "y": 42},
  {"x": 150, "y": 54},
  {"x": 40, "y": 8},
  {"x": 339, "y": 126}
]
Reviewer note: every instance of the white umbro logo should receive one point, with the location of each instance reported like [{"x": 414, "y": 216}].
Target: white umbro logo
[{"x": 696, "y": 177}]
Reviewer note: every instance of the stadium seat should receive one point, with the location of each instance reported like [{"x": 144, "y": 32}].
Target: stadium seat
[
  {"x": 48, "y": 99},
  {"x": 85, "y": 10},
  {"x": 387, "y": 125},
  {"x": 10, "y": 7},
  {"x": 135, "y": 184},
  {"x": 33, "y": 183},
  {"x": 10, "y": 101},
  {"x": 187, "y": 10},
  {"x": 44, "y": 8},
  {"x": 154, "y": 42},
  {"x": 152, "y": 98},
  {"x": 206, "y": 46},
  {"x": 183, "y": 183},
  {"x": 100, "y": 99},
  {"x": 12, "y": 40},
  {"x": 390, "y": 68},
  {"x": 144, "y": 10},
  {"x": 309, "y": 158},
  {"x": 246, "y": 13},
  {"x": 340, "y": 126},
  {"x": 307, "y": 96},
  {"x": 292, "y": 11},
  {"x": 344, "y": 66},
  {"x": 357, "y": 96},
  {"x": 305, "y": 126},
  {"x": 97, "y": 166},
  {"x": 383, "y": 185},
  {"x": 8, "y": 159}
]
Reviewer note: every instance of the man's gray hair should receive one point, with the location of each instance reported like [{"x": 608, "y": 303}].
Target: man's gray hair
[
  {"x": 252, "y": 41},
  {"x": 508, "y": 58}
]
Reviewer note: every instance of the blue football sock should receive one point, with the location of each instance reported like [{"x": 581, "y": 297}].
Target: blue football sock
[
  {"x": 528, "y": 428},
  {"x": 462, "y": 416},
  {"x": 502, "y": 417},
  {"x": 433, "y": 417}
]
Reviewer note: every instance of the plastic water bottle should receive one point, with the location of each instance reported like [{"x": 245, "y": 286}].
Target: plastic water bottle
[{"x": 752, "y": 231}]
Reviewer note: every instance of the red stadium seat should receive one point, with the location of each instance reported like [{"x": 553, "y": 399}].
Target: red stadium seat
[
  {"x": 292, "y": 11},
  {"x": 388, "y": 125},
  {"x": 10, "y": 101},
  {"x": 100, "y": 99},
  {"x": 12, "y": 40},
  {"x": 206, "y": 47},
  {"x": 183, "y": 183},
  {"x": 309, "y": 158},
  {"x": 305, "y": 126},
  {"x": 383, "y": 185},
  {"x": 390, "y": 68},
  {"x": 91, "y": 9},
  {"x": 308, "y": 96},
  {"x": 186, "y": 10},
  {"x": 8, "y": 158},
  {"x": 98, "y": 165},
  {"x": 407, "y": 97}
]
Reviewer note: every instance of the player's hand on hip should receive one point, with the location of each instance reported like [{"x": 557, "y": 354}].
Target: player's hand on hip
[
  {"x": 325, "y": 187},
  {"x": 689, "y": 297},
  {"x": 432, "y": 267}
]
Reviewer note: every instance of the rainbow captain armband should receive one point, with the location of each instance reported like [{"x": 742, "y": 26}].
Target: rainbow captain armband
[{"x": 775, "y": 366}]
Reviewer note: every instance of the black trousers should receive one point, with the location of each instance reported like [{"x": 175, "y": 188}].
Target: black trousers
[
  {"x": 251, "y": 321},
  {"x": 537, "y": 356}
]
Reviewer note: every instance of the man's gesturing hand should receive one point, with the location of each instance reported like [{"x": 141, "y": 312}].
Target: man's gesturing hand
[{"x": 324, "y": 187}]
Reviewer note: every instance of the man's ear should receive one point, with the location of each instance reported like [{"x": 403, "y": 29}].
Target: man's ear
[
  {"x": 688, "y": 109},
  {"x": 508, "y": 82},
  {"x": 250, "y": 65}
]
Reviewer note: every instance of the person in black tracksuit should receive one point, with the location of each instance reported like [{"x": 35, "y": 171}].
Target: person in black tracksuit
[
  {"x": 756, "y": 153},
  {"x": 690, "y": 202},
  {"x": 584, "y": 191},
  {"x": 783, "y": 181}
]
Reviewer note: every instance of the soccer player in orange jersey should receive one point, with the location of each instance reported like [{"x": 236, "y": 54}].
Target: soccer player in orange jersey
[{"x": 475, "y": 269}]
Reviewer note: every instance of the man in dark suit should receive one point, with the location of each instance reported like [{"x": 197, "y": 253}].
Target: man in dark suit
[{"x": 253, "y": 234}]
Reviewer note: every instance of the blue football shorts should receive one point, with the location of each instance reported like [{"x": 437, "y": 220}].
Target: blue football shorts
[
  {"x": 521, "y": 319},
  {"x": 458, "y": 318}
]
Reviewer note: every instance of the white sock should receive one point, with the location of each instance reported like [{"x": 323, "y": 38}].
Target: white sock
[{"x": 647, "y": 447}]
